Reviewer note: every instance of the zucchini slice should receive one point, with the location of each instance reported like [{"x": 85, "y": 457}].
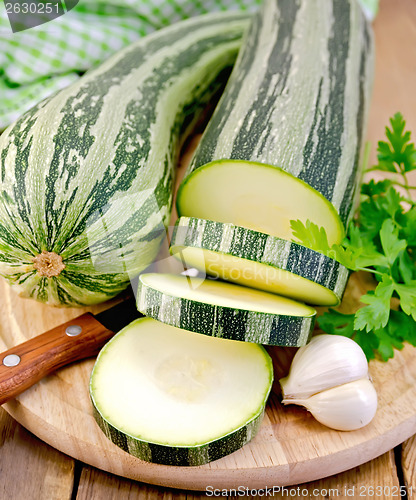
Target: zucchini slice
[
  {"x": 255, "y": 195},
  {"x": 173, "y": 397},
  {"x": 226, "y": 310},
  {"x": 259, "y": 260},
  {"x": 285, "y": 140}
]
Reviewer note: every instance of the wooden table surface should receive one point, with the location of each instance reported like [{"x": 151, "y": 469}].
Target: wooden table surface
[{"x": 32, "y": 470}]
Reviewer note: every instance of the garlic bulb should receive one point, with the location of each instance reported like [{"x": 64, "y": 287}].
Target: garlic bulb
[
  {"x": 345, "y": 408},
  {"x": 329, "y": 377},
  {"x": 327, "y": 361}
]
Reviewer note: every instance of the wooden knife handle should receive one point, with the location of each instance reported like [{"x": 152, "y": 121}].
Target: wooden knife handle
[{"x": 77, "y": 339}]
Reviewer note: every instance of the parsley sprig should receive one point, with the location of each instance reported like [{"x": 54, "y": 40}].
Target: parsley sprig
[{"x": 381, "y": 240}]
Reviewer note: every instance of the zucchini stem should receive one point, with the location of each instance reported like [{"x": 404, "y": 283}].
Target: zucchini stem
[{"x": 48, "y": 264}]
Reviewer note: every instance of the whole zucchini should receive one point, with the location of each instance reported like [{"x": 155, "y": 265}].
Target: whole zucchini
[
  {"x": 285, "y": 139},
  {"x": 86, "y": 176}
]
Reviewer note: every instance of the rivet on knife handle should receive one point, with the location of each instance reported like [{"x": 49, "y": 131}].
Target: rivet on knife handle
[{"x": 25, "y": 364}]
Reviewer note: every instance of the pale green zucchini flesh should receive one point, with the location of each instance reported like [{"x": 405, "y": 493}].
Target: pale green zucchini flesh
[
  {"x": 284, "y": 142},
  {"x": 258, "y": 260},
  {"x": 256, "y": 196},
  {"x": 174, "y": 397},
  {"x": 86, "y": 176},
  {"x": 227, "y": 310}
]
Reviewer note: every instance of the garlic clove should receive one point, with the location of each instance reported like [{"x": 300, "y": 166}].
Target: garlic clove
[
  {"x": 327, "y": 361},
  {"x": 346, "y": 407}
]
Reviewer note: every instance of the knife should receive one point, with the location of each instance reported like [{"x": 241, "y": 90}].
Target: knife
[{"x": 24, "y": 365}]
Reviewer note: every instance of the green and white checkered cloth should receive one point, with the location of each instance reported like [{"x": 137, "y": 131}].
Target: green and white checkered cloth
[{"x": 37, "y": 62}]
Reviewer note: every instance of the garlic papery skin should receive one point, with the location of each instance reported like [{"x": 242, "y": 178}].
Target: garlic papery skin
[
  {"x": 327, "y": 361},
  {"x": 346, "y": 407}
]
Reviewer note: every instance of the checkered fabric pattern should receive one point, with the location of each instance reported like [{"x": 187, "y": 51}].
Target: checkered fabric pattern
[{"x": 41, "y": 60}]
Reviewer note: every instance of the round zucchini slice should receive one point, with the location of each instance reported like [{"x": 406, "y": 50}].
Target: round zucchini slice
[
  {"x": 227, "y": 310},
  {"x": 173, "y": 397},
  {"x": 259, "y": 260},
  {"x": 255, "y": 195}
]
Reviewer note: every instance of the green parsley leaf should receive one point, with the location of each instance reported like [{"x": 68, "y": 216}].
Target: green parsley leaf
[
  {"x": 337, "y": 323},
  {"x": 392, "y": 245},
  {"x": 407, "y": 294},
  {"x": 373, "y": 188},
  {"x": 386, "y": 343},
  {"x": 402, "y": 327},
  {"x": 374, "y": 315},
  {"x": 407, "y": 268},
  {"x": 398, "y": 154},
  {"x": 310, "y": 235},
  {"x": 376, "y": 209},
  {"x": 380, "y": 240},
  {"x": 368, "y": 341},
  {"x": 407, "y": 222}
]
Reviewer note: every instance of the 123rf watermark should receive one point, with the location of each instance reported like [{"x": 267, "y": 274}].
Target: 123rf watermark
[{"x": 360, "y": 491}]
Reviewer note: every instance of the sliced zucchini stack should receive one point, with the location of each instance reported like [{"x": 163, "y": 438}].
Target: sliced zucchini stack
[
  {"x": 258, "y": 260},
  {"x": 283, "y": 144},
  {"x": 227, "y": 310},
  {"x": 285, "y": 139},
  {"x": 173, "y": 397}
]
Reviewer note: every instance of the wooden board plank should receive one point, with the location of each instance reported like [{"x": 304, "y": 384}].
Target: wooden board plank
[
  {"x": 31, "y": 469},
  {"x": 377, "y": 478},
  {"x": 408, "y": 464},
  {"x": 97, "y": 485},
  {"x": 291, "y": 447}
]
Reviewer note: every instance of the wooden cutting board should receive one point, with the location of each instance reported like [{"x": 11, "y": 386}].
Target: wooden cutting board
[{"x": 291, "y": 447}]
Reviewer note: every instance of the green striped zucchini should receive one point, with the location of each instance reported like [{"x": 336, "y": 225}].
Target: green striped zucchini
[
  {"x": 220, "y": 309},
  {"x": 285, "y": 140},
  {"x": 173, "y": 397},
  {"x": 86, "y": 176},
  {"x": 258, "y": 260}
]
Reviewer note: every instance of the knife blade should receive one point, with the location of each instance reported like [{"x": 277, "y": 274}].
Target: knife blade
[{"x": 82, "y": 337}]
